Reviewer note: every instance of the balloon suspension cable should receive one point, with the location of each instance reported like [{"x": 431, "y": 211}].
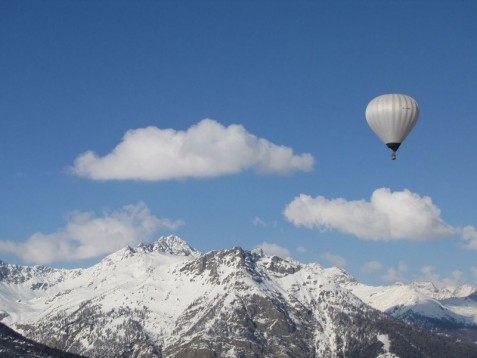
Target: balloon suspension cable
[{"x": 393, "y": 156}]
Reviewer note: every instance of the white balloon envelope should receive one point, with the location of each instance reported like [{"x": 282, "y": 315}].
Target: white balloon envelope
[{"x": 392, "y": 117}]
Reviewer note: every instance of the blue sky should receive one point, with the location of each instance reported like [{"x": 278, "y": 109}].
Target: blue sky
[{"x": 239, "y": 123}]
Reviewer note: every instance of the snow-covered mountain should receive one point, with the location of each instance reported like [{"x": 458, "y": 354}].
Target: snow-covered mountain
[
  {"x": 423, "y": 304},
  {"x": 166, "y": 299}
]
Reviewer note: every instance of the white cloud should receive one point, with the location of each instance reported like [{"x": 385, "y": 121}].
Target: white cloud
[
  {"x": 455, "y": 279},
  {"x": 469, "y": 235},
  {"x": 473, "y": 269},
  {"x": 86, "y": 236},
  {"x": 393, "y": 275},
  {"x": 427, "y": 270},
  {"x": 387, "y": 216},
  {"x": 372, "y": 266},
  {"x": 207, "y": 149},
  {"x": 335, "y": 260},
  {"x": 259, "y": 222},
  {"x": 396, "y": 274},
  {"x": 301, "y": 249},
  {"x": 274, "y": 250}
]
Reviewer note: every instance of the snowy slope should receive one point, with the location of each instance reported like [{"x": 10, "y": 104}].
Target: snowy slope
[
  {"x": 421, "y": 302},
  {"x": 166, "y": 299},
  {"x": 418, "y": 303}
]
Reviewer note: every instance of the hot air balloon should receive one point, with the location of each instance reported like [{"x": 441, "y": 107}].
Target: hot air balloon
[{"x": 392, "y": 117}]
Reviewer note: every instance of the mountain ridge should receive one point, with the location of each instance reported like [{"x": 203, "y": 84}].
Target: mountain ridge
[{"x": 165, "y": 299}]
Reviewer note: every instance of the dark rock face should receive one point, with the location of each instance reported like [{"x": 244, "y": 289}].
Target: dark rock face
[{"x": 13, "y": 345}]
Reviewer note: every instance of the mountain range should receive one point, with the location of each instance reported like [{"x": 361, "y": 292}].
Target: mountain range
[{"x": 166, "y": 299}]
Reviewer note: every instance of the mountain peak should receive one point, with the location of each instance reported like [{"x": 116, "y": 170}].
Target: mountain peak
[
  {"x": 174, "y": 245},
  {"x": 169, "y": 245}
]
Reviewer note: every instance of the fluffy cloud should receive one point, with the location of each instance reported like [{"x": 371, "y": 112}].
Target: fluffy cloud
[
  {"x": 387, "y": 216},
  {"x": 454, "y": 280},
  {"x": 473, "y": 269},
  {"x": 207, "y": 149},
  {"x": 86, "y": 236},
  {"x": 396, "y": 274},
  {"x": 300, "y": 249},
  {"x": 274, "y": 250},
  {"x": 469, "y": 235},
  {"x": 372, "y": 266},
  {"x": 335, "y": 260}
]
